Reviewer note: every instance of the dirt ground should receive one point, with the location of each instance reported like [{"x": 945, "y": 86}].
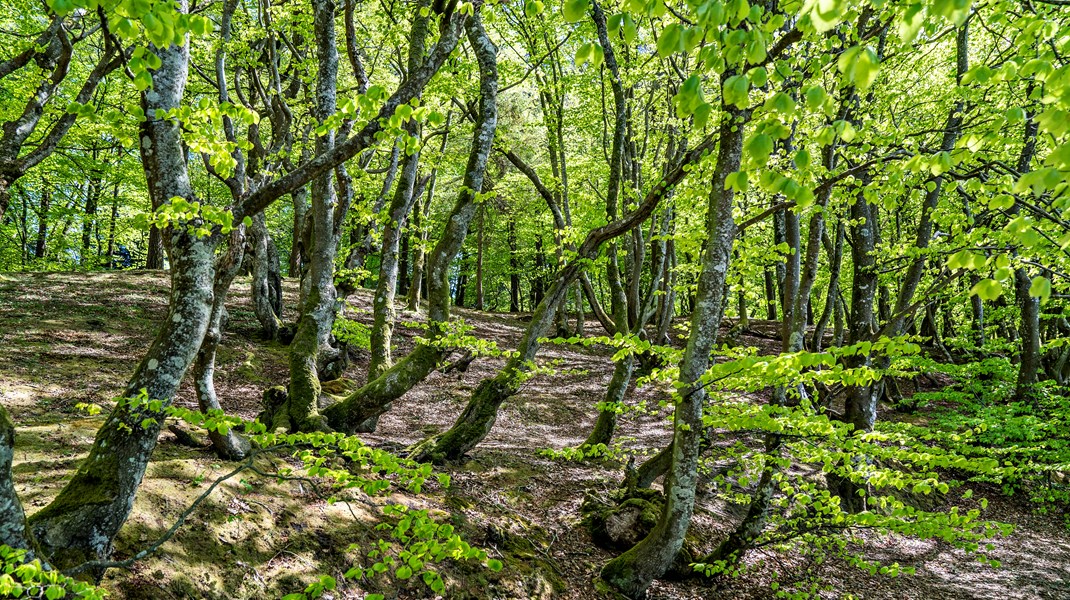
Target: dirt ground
[{"x": 70, "y": 338}]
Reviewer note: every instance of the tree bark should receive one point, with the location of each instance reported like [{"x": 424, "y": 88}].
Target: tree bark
[
  {"x": 633, "y": 571},
  {"x": 230, "y": 445},
  {"x": 300, "y": 411},
  {"x": 360, "y": 409}
]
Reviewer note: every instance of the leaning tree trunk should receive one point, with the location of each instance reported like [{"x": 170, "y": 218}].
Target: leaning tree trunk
[
  {"x": 383, "y": 311},
  {"x": 81, "y": 522}
]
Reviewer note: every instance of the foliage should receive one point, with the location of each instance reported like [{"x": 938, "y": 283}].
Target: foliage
[{"x": 21, "y": 578}]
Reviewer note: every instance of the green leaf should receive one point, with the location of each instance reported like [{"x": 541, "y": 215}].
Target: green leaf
[
  {"x": 669, "y": 41},
  {"x": 574, "y": 10},
  {"x": 1040, "y": 288},
  {"x": 987, "y": 289},
  {"x": 760, "y": 147}
]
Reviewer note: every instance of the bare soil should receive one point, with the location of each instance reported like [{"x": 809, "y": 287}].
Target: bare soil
[{"x": 69, "y": 338}]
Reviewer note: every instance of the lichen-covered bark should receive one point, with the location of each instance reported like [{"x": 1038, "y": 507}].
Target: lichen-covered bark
[
  {"x": 300, "y": 412},
  {"x": 230, "y": 445},
  {"x": 13, "y": 529},
  {"x": 361, "y": 407},
  {"x": 83, "y": 519},
  {"x": 633, "y": 571},
  {"x": 85, "y": 516}
]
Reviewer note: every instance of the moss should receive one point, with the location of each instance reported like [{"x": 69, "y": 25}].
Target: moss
[{"x": 619, "y": 524}]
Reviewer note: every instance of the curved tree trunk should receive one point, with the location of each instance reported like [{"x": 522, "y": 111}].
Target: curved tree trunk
[
  {"x": 383, "y": 312},
  {"x": 266, "y": 278}
]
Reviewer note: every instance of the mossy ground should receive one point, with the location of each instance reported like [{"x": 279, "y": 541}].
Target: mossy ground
[{"x": 70, "y": 338}]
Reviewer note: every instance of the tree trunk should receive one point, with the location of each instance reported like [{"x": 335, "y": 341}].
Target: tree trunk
[
  {"x": 298, "y": 251},
  {"x": 514, "y": 267},
  {"x": 154, "y": 257},
  {"x": 300, "y": 411},
  {"x": 633, "y": 571},
  {"x": 480, "y": 243},
  {"x": 266, "y": 278},
  {"x": 13, "y": 529},
  {"x": 42, "y": 221},
  {"x": 383, "y": 311},
  {"x": 230, "y": 445},
  {"x": 82, "y": 521},
  {"x": 360, "y": 409}
]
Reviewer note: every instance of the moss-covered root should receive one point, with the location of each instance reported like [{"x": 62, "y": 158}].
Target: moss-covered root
[
  {"x": 472, "y": 426},
  {"x": 360, "y": 410},
  {"x": 13, "y": 529}
]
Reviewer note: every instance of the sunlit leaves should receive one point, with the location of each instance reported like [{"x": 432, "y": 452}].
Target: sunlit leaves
[
  {"x": 1040, "y": 287},
  {"x": 574, "y": 10},
  {"x": 736, "y": 91},
  {"x": 759, "y": 148},
  {"x": 859, "y": 66},
  {"x": 987, "y": 289},
  {"x": 590, "y": 52}
]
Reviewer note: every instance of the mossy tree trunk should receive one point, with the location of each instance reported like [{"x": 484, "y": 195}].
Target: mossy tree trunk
[
  {"x": 300, "y": 411},
  {"x": 13, "y": 529},
  {"x": 84, "y": 518},
  {"x": 383, "y": 311},
  {"x": 360, "y": 409},
  {"x": 633, "y": 571}
]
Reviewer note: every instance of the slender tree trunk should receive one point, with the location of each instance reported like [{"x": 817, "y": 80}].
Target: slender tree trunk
[
  {"x": 1029, "y": 363},
  {"x": 42, "y": 221},
  {"x": 481, "y": 243},
  {"x": 384, "y": 314},
  {"x": 266, "y": 278},
  {"x": 230, "y": 445},
  {"x": 154, "y": 258},
  {"x": 298, "y": 250},
  {"x": 111, "y": 226},
  {"x": 514, "y": 267}
]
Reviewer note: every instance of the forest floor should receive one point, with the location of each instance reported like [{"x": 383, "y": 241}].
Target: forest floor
[{"x": 71, "y": 338}]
